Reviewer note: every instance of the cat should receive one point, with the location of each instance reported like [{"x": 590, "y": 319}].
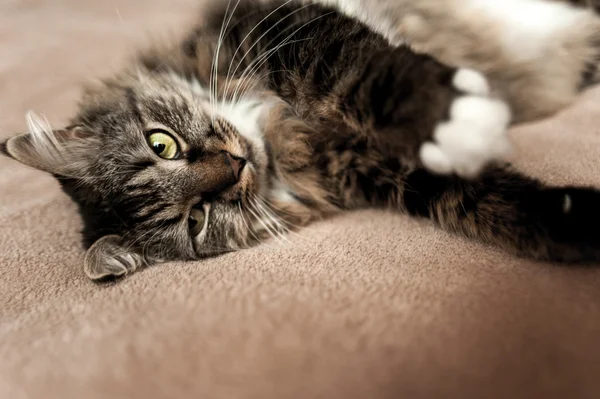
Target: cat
[{"x": 268, "y": 116}]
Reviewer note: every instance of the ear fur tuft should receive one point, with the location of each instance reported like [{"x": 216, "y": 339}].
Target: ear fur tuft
[{"x": 60, "y": 152}]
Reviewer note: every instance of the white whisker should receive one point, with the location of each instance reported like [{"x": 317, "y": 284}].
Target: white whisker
[
  {"x": 215, "y": 64},
  {"x": 272, "y": 220},
  {"x": 267, "y": 227},
  {"x": 250, "y": 230},
  {"x": 292, "y": 227},
  {"x": 261, "y": 60},
  {"x": 265, "y": 33},
  {"x": 245, "y": 38},
  {"x": 261, "y": 56},
  {"x": 278, "y": 221},
  {"x": 258, "y": 63}
]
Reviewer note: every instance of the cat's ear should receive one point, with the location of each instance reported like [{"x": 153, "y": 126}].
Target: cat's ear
[
  {"x": 109, "y": 257},
  {"x": 60, "y": 152}
]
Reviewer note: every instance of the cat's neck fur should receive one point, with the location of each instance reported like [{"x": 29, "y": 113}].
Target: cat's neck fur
[{"x": 295, "y": 190}]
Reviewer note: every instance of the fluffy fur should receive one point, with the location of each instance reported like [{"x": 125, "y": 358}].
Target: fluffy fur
[
  {"x": 537, "y": 54},
  {"x": 284, "y": 113}
]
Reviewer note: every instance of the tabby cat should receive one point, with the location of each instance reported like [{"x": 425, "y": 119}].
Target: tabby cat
[{"x": 275, "y": 114}]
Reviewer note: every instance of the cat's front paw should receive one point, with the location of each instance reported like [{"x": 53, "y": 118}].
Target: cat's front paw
[{"x": 475, "y": 134}]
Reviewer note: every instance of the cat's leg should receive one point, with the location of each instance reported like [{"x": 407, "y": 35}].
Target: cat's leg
[
  {"x": 429, "y": 114},
  {"x": 538, "y": 54},
  {"x": 458, "y": 128},
  {"x": 509, "y": 210},
  {"x": 474, "y": 133}
]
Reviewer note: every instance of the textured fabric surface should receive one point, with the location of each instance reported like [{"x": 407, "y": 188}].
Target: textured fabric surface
[{"x": 368, "y": 305}]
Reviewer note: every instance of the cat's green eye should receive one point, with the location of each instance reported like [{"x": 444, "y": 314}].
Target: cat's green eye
[
  {"x": 196, "y": 221},
  {"x": 163, "y": 145}
]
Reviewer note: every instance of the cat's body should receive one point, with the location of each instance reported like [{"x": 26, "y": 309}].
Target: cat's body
[{"x": 269, "y": 116}]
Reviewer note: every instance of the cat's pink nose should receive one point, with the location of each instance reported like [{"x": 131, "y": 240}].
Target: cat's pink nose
[{"x": 236, "y": 163}]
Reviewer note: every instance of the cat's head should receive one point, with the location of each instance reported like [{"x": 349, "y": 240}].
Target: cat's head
[{"x": 159, "y": 170}]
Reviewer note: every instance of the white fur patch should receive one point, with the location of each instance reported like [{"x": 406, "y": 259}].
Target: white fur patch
[
  {"x": 43, "y": 139},
  {"x": 281, "y": 192},
  {"x": 471, "y": 81},
  {"x": 244, "y": 116},
  {"x": 526, "y": 27},
  {"x": 474, "y": 136},
  {"x": 435, "y": 159},
  {"x": 58, "y": 152}
]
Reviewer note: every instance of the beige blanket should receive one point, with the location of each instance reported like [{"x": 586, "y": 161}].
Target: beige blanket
[{"x": 368, "y": 305}]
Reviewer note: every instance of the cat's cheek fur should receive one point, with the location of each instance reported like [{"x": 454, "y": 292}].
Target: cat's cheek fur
[{"x": 475, "y": 134}]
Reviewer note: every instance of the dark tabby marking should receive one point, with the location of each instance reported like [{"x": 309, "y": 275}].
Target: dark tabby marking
[{"x": 321, "y": 115}]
